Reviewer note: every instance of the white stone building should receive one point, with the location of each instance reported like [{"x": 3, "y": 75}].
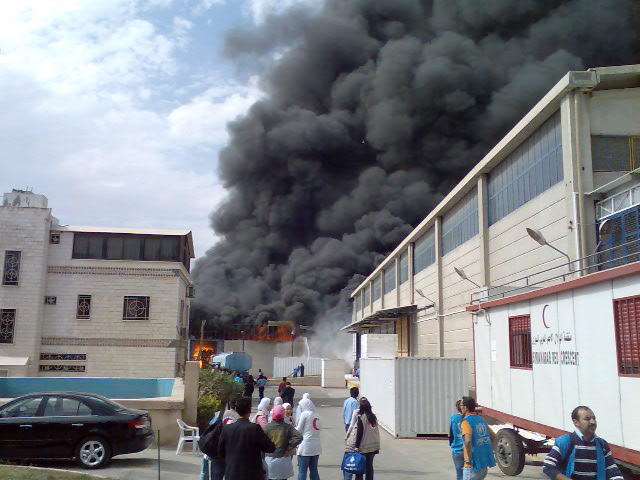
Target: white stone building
[
  {"x": 90, "y": 301},
  {"x": 570, "y": 164}
]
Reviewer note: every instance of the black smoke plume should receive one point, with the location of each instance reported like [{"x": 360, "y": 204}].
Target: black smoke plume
[{"x": 374, "y": 110}]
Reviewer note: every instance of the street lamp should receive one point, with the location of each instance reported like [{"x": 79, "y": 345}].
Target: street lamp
[
  {"x": 538, "y": 237},
  {"x": 419, "y": 292},
  {"x": 463, "y": 276},
  {"x": 242, "y": 332},
  {"x": 204, "y": 322}
]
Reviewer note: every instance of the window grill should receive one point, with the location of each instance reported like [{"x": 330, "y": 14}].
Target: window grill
[
  {"x": 11, "y": 268},
  {"x": 622, "y": 246},
  {"x": 611, "y": 153},
  {"x": 627, "y": 326},
  {"x": 50, "y": 300},
  {"x": 83, "y": 310},
  {"x": 520, "y": 341},
  {"x": 136, "y": 308},
  {"x": 54, "y": 239},
  {"x": 7, "y": 325}
]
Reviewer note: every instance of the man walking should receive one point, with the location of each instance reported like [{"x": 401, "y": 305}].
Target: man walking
[
  {"x": 241, "y": 445},
  {"x": 349, "y": 406},
  {"x": 288, "y": 393},
  {"x": 261, "y": 382},
  {"x": 478, "y": 453},
  {"x": 581, "y": 454}
]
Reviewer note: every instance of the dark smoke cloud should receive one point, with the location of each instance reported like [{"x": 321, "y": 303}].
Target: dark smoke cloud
[{"x": 374, "y": 110}]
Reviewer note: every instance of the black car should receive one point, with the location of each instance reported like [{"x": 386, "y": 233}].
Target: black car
[{"x": 84, "y": 426}]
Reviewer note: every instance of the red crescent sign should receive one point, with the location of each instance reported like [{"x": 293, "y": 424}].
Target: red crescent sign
[{"x": 315, "y": 426}]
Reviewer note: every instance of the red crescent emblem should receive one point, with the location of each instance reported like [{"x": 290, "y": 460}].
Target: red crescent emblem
[{"x": 315, "y": 425}]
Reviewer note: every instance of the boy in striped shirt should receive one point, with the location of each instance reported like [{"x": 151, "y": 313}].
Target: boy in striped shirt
[{"x": 581, "y": 455}]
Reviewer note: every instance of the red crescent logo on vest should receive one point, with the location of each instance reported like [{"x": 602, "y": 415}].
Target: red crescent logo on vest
[{"x": 315, "y": 425}]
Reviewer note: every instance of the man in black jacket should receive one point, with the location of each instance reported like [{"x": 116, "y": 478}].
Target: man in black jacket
[
  {"x": 241, "y": 445},
  {"x": 288, "y": 393}
]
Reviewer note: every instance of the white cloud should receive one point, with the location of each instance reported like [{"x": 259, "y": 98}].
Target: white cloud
[
  {"x": 261, "y": 9},
  {"x": 95, "y": 114}
]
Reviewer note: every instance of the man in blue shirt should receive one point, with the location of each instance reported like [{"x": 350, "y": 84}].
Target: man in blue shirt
[
  {"x": 350, "y": 405},
  {"x": 477, "y": 449},
  {"x": 456, "y": 441},
  {"x": 581, "y": 455}
]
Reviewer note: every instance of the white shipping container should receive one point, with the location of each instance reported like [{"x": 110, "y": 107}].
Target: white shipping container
[
  {"x": 333, "y": 370},
  {"x": 413, "y": 396},
  {"x": 283, "y": 366},
  {"x": 379, "y": 345}
]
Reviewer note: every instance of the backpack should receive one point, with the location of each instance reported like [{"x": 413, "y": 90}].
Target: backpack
[{"x": 208, "y": 442}]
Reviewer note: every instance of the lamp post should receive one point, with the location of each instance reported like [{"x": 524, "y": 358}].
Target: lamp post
[
  {"x": 242, "y": 332},
  {"x": 538, "y": 237},
  {"x": 463, "y": 276},
  {"x": 204, "y": 322}
]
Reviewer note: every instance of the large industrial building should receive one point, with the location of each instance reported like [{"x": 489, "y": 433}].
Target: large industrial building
[
  {"x": 90, "y": 301},
  {"x": 570, "y": 164}
]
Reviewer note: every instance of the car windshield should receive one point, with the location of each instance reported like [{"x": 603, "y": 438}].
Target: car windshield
[{"x": 24, "y": 408}]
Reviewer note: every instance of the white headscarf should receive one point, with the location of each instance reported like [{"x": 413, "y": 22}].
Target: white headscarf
[
  {"x": 306, "y": 405},
  {"x": 277, "y": 401},
  {"x": 264, "y": 405},
  {"x": 306, "y": 396}
]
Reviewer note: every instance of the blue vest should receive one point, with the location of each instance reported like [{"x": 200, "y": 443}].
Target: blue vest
[
  {"x": 481, "y": 449},
  {"x": 566, "y": 445},
  {"x": 455, "y": 433}
]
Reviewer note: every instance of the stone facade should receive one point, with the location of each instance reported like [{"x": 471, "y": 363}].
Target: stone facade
[{"x": 89, "y": 316}]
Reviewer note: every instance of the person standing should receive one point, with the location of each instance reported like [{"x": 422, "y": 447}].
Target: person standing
[
  {"x": 304, "y": 395},
  {"x": 310, "y": 449},
  {"x": 242, "y": 444},
  {"x": 349, "y": 406},
  {"x": 301, "y": 369},
  {"x": 581, "y": 454},
  {"x": 363, "y": 436},
  {"x": 286, "y": 439},
  {"x": 261, "y": 382},
  {"x": 456, "y": 441},
  {"x": 249, "y": 386},
  {"x": 288, "y": 413},
  {"x": 262, "y": 417},
  {"x": 478, "y": 453},
  {"x": 213, "y": 467},
  {"x": 288, "y": 393},
  {"x": 282, "y": 385}
]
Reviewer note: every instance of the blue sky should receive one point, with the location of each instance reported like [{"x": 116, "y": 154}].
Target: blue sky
[{"x": 116, "y": 110}]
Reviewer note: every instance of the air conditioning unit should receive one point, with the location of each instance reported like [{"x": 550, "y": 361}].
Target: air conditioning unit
[{"x": 191, "y": 291}]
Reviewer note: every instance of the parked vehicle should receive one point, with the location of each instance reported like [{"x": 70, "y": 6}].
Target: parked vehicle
[
  {"x": 84, "y": 426},
  {"x": 235, "y": 361}
]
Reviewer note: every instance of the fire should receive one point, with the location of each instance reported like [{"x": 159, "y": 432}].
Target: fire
[{"x": 265, "y": 333}]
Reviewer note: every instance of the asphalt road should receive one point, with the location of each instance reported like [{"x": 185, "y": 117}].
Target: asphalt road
[{"x": 399, "y": 459}]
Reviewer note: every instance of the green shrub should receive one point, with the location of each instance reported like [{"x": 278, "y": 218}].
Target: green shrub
[{"x": 214, "y": 389}]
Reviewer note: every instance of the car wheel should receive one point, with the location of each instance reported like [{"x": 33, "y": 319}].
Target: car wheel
[
  {"x": 509, "y": 452},
  {"x": 93, "y": 452}
]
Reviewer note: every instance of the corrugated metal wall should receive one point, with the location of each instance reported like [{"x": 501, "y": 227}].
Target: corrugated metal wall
[
  {"x": 283, "y": 366},
  {"x": 419, "y": 397}
]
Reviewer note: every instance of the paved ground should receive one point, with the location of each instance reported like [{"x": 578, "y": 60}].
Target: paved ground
[{"x": 399, "y": 459}]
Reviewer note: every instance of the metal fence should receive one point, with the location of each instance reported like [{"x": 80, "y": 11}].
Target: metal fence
[{"x": 283, "y": 366}]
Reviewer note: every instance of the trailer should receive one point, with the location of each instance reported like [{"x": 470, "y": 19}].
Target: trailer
[
  {"x": 235, "y": 361},
  {"x": 539, "y": 354}
]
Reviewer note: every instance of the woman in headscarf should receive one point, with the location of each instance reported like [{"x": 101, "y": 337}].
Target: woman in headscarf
[
  {"x": 288, "y": 412},
  {"x": 304, "y": 396},
  {"x": 276, "y": 401},
  {"x": 286, "y": 439},
  {"x": 363, "y": 436},
  {"x": 309, "y": 450},
  {"x": 263, "y": 412}
]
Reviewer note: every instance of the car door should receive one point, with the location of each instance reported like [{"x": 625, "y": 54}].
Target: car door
[
  {"x": 19, "y": 428},
  {"x": 66, "y": 420}
]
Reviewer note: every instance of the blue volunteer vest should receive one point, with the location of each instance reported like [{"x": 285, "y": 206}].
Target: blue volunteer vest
[
  {"x": 456, "y": 441},
  {"x": 481, "y": 450},
  {"x": 566, "y": 444}
]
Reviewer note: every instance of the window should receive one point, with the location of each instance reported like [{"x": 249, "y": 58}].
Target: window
[
  {"x": 377, "y": 289},
  {"x": 63, "y": 368},
  {"x": 627, "y": 325},
  {"x": 615, "y": 153},
  {"x": 532, "y": 168},
  {"x": 365, "y": 294},
  {"x": 22, "y": 408},
  {"x": 7, "y": 325},
  {"x": 83, "y": 310},
  {"x": 390, "y": 278},
  {"x": 424, "y": 251},
  {"x": 520, "y": 341},
  {"x": 112, "y": 246},
  {"x": 404, "y": 268},
  {"x": 65, "y": 407},
  {"x": 460, "y": 223},
  {"x": 50, "y": 300},
  {"x": 54, "y": 239},
  {"x": 623, "y": 246},
  {"x": 11, "y": 268},
  {"x": 135, "y": 308}
]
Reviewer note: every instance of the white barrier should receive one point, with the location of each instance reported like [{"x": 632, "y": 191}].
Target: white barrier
[{"x": 283, "y": 366}]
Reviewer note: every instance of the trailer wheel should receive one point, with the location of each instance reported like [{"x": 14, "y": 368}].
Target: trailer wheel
[{"x": 509, "y": 452}]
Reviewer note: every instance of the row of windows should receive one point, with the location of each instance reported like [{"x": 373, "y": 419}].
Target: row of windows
[
  {"x": 133, "y": 308},
  {"x": 111, "y": 246},
  {"x": 627, "y": 334},
  {"x": 424, "y": 252},
  {"x": 532, "y": 168}
]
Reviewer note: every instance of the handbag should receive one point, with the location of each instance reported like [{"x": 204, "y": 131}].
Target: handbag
[{"x": 354, "y": 462}]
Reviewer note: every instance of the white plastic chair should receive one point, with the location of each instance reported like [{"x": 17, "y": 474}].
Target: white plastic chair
[{"x": 187, "y": 434}]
